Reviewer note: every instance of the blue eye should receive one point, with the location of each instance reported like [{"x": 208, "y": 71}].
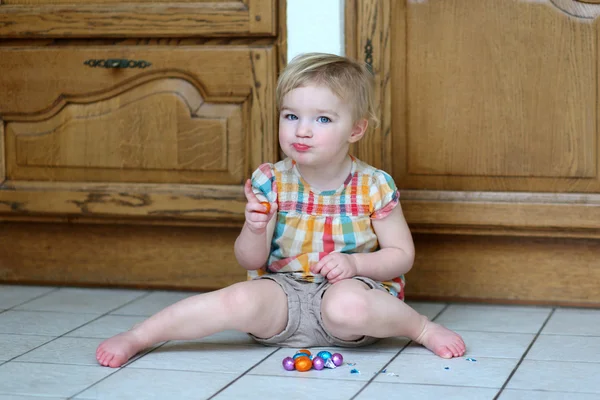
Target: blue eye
[
  {"x": 323, "y": 120},
  {"x": 290, "y": 117}
]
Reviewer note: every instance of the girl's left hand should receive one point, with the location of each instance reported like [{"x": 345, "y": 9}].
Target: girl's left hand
[{"x": 335, "y": 267}]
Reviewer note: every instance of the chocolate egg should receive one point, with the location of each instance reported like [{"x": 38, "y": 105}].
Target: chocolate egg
[
  {"x": 303, "y": 364},
  {"x": 337, "y": 359},
  {"x": 300, "y": 355},
  {"x": 288, "y": 364},
  {"x": 305, "y": 351},
  {"x": 318, "y": 363},
  {"x": 324, "y": 354}
]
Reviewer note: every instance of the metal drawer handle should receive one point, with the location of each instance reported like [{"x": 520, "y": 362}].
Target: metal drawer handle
[{"x": 117, "y": 63}]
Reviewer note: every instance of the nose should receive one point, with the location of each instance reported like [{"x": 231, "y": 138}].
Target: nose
[{"x": 304, "y": 130}]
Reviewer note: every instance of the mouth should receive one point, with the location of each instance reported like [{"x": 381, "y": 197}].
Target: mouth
[{"x": 300, "y": 147}]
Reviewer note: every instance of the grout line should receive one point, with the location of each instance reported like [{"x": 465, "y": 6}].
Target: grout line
[
  {"x": 56, "y": 289},
  {"x": 524, "y": 354},
  {"x": 394, "y": 358},
  {"x": 243, "y": 374},
  {"x": 80, "y": 326}
]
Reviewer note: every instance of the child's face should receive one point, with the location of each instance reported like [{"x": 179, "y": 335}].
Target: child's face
[{"x": 315, "y": 126}]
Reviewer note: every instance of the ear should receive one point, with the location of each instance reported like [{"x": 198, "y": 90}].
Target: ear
[{"x": 358, "y": 130}]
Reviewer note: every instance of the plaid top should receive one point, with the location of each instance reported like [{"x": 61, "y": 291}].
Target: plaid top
[{"x": 311, "y": 223}]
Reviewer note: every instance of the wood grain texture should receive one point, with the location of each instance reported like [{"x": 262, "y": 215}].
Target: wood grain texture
[
  {"x": 369, "y": 25},
  {"x": 499, "y": 107},
  {"x": 168, "y": 203},
  {"x": 160, "y": 131},
  {"x": 118, "y": 255},
  {"x": 219, "y": 73},
  {"x": 488, "y": 269},
  {"x": 2, "y": 154},
  {"x": 456, "y": 268},
  {"x": 131, "y": 19},
  {"x": 211, "y": 123},
  {"x": 513, "y": 214}
]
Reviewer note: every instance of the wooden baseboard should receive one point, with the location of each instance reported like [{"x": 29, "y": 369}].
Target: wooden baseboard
[
  {"x": 159, "y": 257},
  {"x": 489, "y": 269},
  {"x": 525, "y": 270}
]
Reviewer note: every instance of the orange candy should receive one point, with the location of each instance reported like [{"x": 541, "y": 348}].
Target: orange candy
[
  {"x": 267, "y": 205},
  {"x": 303, "y": 364},
  {"x": 305, "y": 351}
]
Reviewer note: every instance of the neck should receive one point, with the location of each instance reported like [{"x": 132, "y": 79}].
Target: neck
[{"x": 329, "y": 176}]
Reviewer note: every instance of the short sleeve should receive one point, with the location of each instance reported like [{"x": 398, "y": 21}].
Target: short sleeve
[
  {"x": 263, "y": 183},
  {"x": 384, "y": 195}
]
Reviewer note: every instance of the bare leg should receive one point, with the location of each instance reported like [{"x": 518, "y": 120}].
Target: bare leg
[
  {"x": 258, "y": 307},
  {"x": 351, "y": 309}
]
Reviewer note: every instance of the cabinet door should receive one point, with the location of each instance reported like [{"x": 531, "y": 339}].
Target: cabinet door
[
  {"x": 165, "y": 132},
  {"x": 489, "y": 112},
  {"x": 136, "y": 18}
]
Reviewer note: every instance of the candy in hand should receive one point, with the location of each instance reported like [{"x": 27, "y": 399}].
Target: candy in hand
[{"x": 267, "y": 206}]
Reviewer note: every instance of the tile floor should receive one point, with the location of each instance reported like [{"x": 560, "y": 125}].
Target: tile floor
[{"x": 48, "y": 337}]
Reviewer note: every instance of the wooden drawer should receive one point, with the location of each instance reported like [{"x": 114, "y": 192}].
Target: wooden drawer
[
  {"x": 136, "y": 18},
  {"x": 173, "y": 140}
]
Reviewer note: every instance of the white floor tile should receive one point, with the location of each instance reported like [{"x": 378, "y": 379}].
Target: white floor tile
[
  {"x": 565, "y": 348},
  {"x": 494, "y": 318},
  {"x": 420, "y": 369},
  {"x": 569, "y": 321},
  {"x": 15, "y": 345},
  {"x": 41, "y": 323},
  {"x": 82, "y": 300},
  {"x": 48, "y": 379},
  {"x": 392, "y": 345},
  {"x": 204, "y": 357},
  {"x": 510, "y": 394},
  {"x": 557, "y": 376},
  {"x": 289, "y": 388},
  {"x": 11, "y": 296},
  {"x": 135, "y": 384},
  {"x": 19, "y": 397},
  {"x": 107, "y": 326},
  {"x": 486, "y": 344},
  {"x": 366, "y": 363},
  {"x": 379, "y": 390},
  {"x": 65, "y": 350},
  {"x": 153, "y": 303},
  {"x": 430, "y": 310}
]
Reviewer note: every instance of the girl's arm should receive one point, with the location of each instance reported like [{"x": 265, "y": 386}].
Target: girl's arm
[{"x": 397, "y": 251}]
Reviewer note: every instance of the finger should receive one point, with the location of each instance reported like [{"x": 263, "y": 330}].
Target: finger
[
  {"x": 273, "y": 209},
  {"x": 250, "y": 196},
  {"x": 328, "y": 267},
  {"x": 316, "y": 268},
  {"x": 334, "y": 273}
]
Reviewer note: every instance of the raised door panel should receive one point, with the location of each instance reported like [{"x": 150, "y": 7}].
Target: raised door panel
[
  {"x": 502, "y": 95},
  {"x": 136, "y": 18},
  {"x": 173, "y": 140}
]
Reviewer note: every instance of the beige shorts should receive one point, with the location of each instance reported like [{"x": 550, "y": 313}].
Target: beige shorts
[{"x": 305, "y": 326}]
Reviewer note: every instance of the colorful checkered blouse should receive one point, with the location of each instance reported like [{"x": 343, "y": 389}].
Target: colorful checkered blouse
[{"x": 311, "y": 223}]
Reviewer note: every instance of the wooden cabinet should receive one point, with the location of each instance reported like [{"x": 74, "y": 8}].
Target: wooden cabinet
[
  {"x": 489, "y": 114},
  {"x": 139, "y": 117}
]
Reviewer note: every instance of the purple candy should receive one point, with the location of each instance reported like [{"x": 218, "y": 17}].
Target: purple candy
[
  {"x": 318, "y": 363},
  {"x": 337, "y": 359},
  {"x": 288, "y": 364}
]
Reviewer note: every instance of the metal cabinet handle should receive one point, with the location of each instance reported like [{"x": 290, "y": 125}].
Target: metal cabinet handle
[{"x": 117, "y": 63}]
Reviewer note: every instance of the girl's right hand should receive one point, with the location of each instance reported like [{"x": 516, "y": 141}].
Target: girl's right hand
[{"x": 257, "y": 217}]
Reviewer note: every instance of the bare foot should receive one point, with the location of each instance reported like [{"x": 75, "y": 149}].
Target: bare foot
[
  {"x": 115, "y": 351},
  {"x": 441, "y": 340}
]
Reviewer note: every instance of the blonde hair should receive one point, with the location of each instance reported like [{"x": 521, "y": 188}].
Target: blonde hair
[{"x": 350, "y": 80}]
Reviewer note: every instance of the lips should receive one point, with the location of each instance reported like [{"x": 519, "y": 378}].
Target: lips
[{"x": 300, "y": 147}]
